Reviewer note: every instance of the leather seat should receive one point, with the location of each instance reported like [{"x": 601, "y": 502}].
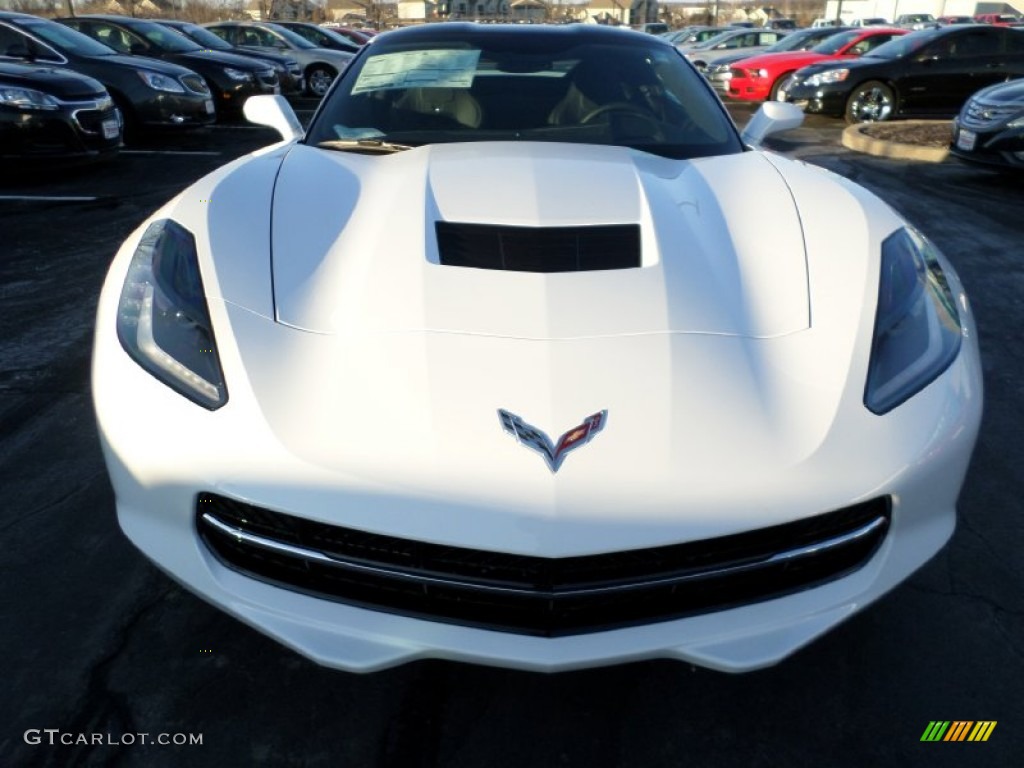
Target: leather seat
[{"x": 454, "y": 103}]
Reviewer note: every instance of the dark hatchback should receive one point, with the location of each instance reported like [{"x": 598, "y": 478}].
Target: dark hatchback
[
  {"x": 990, "y": 127},
  {"x": 231, "y": 78},
  {"x": 50, "y": 115},
  {"x": 929, "y": 73},
  {"x": 150, "y": 93},
  {"x": 289, "y": 73}
]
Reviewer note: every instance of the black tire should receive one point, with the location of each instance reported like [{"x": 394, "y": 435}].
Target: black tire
[
  {"x": 773, "y": 94},
  {"x": 871, "y": 102},
  {"x": 318, "y": 79}
]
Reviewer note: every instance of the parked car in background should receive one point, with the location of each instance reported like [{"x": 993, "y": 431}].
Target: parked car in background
[
  {"x": 289, "y": 73},
  {"x": 690, "y": 36},
  {"x": 874, "y": 21},
  {"x": 817, "y": 23},
  {"x": 319, "y": 65},
  {"x": 999, "y": 19},
  {"x": 719, "y": 74},
  {"x": 945, "y": 21},
  {"x": 759, "y": 77},
  {"x": 787, "y": 24},
  {"x": 358, "y": 36},
  {"x": 231, "y": 78},
  {"x": 929, "y": 73},
  {"x": 54, "y": 115},
  {"x": 150, "y": 93},
  {"x": 653, "y": 28},
  {"x": 916, "y": 21},
  {"x": 321, "y": 37},
  {"x": 730, "y": 42},
  {"x": 990, "y": 127}
]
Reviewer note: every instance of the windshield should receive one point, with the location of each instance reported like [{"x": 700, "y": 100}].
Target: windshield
[
  {"x": 204, "y": 37},
  {"x": 902, "y": 46},
  {"x": 714, "y": 40},
  {"x": 795, "y": 41},
  {"x": 514, "y": 85},
  {"x": 66, "y": 39},
  {"x": 833, "y": 44},
  {"x": 297, "y": 40},
  {"x": 165, "y": 39}
]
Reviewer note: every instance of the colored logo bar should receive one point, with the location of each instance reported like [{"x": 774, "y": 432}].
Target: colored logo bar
[{"x": 959, "y": 730}]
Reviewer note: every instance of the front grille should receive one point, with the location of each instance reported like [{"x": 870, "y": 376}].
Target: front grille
[
  {"x": 195, "y": 83},
  {"x": 535, "y": 595},
  {"x": 268, "y": 77},
  {"x": 538, "y": 249},
  {"x": 91, "y": 120},
  {"x": 980, "y": 114}
]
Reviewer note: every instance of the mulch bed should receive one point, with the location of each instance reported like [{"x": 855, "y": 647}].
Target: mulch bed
[{"x": 937, "y": 134}]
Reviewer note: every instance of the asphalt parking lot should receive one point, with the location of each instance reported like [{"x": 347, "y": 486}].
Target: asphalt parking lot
[{"x": 97, "y": 641}]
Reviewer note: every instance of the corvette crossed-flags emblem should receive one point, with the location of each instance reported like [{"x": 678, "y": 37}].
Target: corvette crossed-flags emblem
[{"x": 553, "y": 453}]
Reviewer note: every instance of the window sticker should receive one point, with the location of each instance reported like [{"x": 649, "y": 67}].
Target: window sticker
[{"x": 418, "y": 69}]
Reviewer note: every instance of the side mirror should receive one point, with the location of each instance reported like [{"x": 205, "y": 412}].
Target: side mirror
[
  {"x": 772, "y": 117},
  {"x": 274, "y": 112}
]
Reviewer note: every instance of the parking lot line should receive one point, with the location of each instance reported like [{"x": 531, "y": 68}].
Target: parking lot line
[{"x": 48, "y": 198}]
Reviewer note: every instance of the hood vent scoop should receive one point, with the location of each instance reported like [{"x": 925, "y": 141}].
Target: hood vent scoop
[{"x": 539, "y": 249}]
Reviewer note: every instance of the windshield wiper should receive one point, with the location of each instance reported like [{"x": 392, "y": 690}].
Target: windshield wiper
[{"x": 364, "y": 145}]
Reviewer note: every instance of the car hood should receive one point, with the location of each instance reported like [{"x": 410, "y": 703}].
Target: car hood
[
  {"x": 60, "y": 83},
  {"x": 782, "y": 60},
  {"x": 223, "y": 58},
  {"x": 122, "y": 61},
  {"x": 862, "y": 64},
  {"x": 1003, "y": 93},
  {"x": 354, "y": 245},
  {"x": 399, "y": 389}
]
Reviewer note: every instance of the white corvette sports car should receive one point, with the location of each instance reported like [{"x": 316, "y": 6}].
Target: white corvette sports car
[{"x": 523, "y": 356}]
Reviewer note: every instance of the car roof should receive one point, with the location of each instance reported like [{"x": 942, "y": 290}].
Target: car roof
[{"x": 596, "y": 33}]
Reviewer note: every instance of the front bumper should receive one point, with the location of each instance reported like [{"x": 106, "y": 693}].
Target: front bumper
[
  {"x": 988, "y": 145},
  {"x": 76, "y": 132},
  {"x": 749, "y": 89},
  {"x": 829, "y": 100},
  {"x": 162, "y": 451},
  {"x": 170, "y": 110}
]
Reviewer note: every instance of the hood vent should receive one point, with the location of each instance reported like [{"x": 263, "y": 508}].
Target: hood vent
[{"x": 539, "y": 249}]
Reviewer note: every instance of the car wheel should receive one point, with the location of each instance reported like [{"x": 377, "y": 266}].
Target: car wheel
[
  {"x": 870, "y": 103},
  {"x": 318, "y": 80},
  {"x": 782, "y": 87},
  {"x": 780, "y": 81}
]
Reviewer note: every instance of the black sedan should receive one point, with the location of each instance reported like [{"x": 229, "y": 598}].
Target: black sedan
[
  {"x": 289, "y": 73},
  {"x": 319, "y": 65},
  {"x": 930, "y": 73},
  {"x": 990, "y": 127},
  {"x": 231, "y": 78},
  {"x": 55, "y": 115},
  {"x": 149, "y": 93}
]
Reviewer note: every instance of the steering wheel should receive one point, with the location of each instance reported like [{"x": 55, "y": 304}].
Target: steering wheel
[{"x": 620, "y": 106}]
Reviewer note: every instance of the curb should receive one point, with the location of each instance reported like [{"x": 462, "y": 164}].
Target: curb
[{"x": 854, "y": 138}]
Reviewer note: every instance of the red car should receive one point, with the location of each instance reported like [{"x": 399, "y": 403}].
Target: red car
[{"x": 759, "y": 77}]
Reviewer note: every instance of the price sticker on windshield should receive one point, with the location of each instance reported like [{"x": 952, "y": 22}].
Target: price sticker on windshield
[{"x": 418, "y": 69}]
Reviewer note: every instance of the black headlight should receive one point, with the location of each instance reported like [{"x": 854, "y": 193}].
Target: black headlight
[
  {"x": 917, "y": 326},
  {"x": 162, "y": 319}
]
